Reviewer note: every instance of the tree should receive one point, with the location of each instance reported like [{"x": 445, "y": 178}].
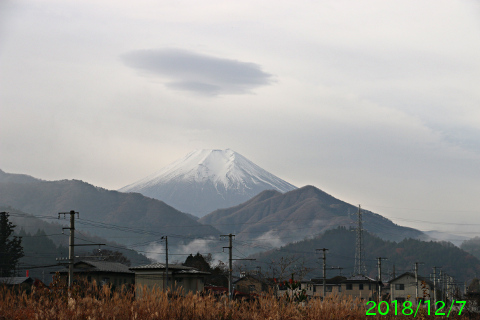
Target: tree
[
  {"x": 474, "y": 286},
  {"x": 218, "y": 273},
  {"x": 198, "y": 261},
  {"x": 11, "y": 249},
  {"x": 285, "y": 268}
]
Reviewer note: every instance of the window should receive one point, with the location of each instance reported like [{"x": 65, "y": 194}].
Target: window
[
  {"x": 360, "y": 286},
  {"x": 251, "y": 287},
  {"x": 400, "y": 300},
  {"x": 328, "y": 289},
  {"x": 399, "y": 286},
  {"x": 349, "y": 286}
]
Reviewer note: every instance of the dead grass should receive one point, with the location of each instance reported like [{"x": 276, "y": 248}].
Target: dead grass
[{"x": 90, "y": 302}]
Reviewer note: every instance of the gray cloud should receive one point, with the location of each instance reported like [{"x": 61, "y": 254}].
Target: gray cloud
[{"x": 190, "y": 71}]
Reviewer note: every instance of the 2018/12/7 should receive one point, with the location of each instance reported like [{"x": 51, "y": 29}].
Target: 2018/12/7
[{"x": 408, "y": 310}]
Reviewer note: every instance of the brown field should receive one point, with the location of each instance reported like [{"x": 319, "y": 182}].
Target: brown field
[{"x": 89, "y": 302}]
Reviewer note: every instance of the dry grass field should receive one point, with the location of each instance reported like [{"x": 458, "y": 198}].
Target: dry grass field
[{"x": 89, "y": 302}]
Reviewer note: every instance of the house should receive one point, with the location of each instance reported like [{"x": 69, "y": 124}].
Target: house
[
  {"x": 360, "y": 286},
  {"x": 308, "y": 286},
  {"x": 403, "y": 288},
  {"x": 154, "y": 275},
  {"x": 252, "y": 284},
  {"x": 20, "y": 283},
  {"x": 333, "y": 286},
  {"x": 102, "y": 272}
]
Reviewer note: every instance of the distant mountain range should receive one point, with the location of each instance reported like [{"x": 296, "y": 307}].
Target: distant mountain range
[
  {"x": 127, "y": 218},
  {"x": 206, "y": 180},
  {"x": 298, "y": 214},
  {"x": 269, "y": 218}
]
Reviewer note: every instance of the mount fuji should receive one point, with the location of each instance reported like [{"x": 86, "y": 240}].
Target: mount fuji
[{"x": 206, "y": 180}]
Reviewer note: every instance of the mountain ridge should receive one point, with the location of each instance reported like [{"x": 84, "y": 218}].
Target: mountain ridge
[
  {"x": 297, "y": 214},
  {"x": 208, "y": 179},
  {"x": 141, "y": 218}
]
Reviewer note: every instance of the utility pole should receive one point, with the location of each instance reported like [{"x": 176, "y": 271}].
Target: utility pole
[
  {"x": 324, "y": 271},
  {"x": 379, "y": 264},
  {"x": 445, "y": 295},
  {"x": 416, "y": 281},
  {"x": 440, "y": 284},
  {"x": 435, "y": 286},
  {"x": 230, "y": 264},
  {"x": 71, "y": 244},
  {"x": 166, "y": 256}
]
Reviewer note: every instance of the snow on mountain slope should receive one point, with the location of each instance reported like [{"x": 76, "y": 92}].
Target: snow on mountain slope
[{"x": 206, "y": 180}]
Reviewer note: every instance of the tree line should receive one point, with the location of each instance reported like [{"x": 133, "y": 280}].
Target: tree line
[{"x": 11, "y": 249}]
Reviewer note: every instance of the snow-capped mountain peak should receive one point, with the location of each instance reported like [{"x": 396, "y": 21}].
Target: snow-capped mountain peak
[{"x": 190, "y": 184}]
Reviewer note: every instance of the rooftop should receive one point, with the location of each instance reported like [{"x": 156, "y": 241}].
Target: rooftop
[
  {"x": 98, "y": 266},
  {"x": 15, "y": 280},
  {"x": 158, "y": 265}
]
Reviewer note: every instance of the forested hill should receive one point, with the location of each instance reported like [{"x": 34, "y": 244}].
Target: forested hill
[
  {"x": 401, "y": 256},
  {"x": 44, "y": 241},
  {"x": 130, "y": 218},
  {"x": 298, "y": 214},
  {"x": 472, "y": 246}
]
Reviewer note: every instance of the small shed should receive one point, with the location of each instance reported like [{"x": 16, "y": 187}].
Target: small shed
[
  {"x": 252, "y": 284},
  {"x": 104, "y": 273},
  {"x": 154, "y": 275}
]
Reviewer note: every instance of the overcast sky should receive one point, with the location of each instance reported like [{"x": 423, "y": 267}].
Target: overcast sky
[{"x": 374, "y": 102}]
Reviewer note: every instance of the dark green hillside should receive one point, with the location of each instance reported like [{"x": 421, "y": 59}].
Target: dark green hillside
[
  {"x": 472, "y": 246},
  {"x": 40, "y": 253},
  {"x": 43, "y": 242},
  {"x": 401, "y": 255},
  {"x": 101, "y": 211},
  {"x": 298, "y": 214}
]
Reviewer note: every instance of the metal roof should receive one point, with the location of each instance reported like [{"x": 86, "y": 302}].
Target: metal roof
[
  {"x": 194, "y": 271},
  {"x": 411, "y": 274},
  {"x": 99, "y": 266},
  {"x": 334, "y": 280},
  {"x": 361, "y": 278},
  {"x": 15, "y": 280},
  {"x": 153, "y": 266}
]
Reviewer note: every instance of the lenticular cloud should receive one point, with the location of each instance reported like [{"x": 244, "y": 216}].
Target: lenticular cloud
[{"x": 190, "y": 71}]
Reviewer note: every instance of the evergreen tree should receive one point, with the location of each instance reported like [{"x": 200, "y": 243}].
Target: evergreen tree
[
  {"x": 198, "y": 261},
  {"x": 218, "y": 273},
  {"x": 11, "y": 249}
]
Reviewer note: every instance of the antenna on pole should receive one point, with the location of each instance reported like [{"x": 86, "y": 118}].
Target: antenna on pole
[{"x": 359, "y": 252}]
